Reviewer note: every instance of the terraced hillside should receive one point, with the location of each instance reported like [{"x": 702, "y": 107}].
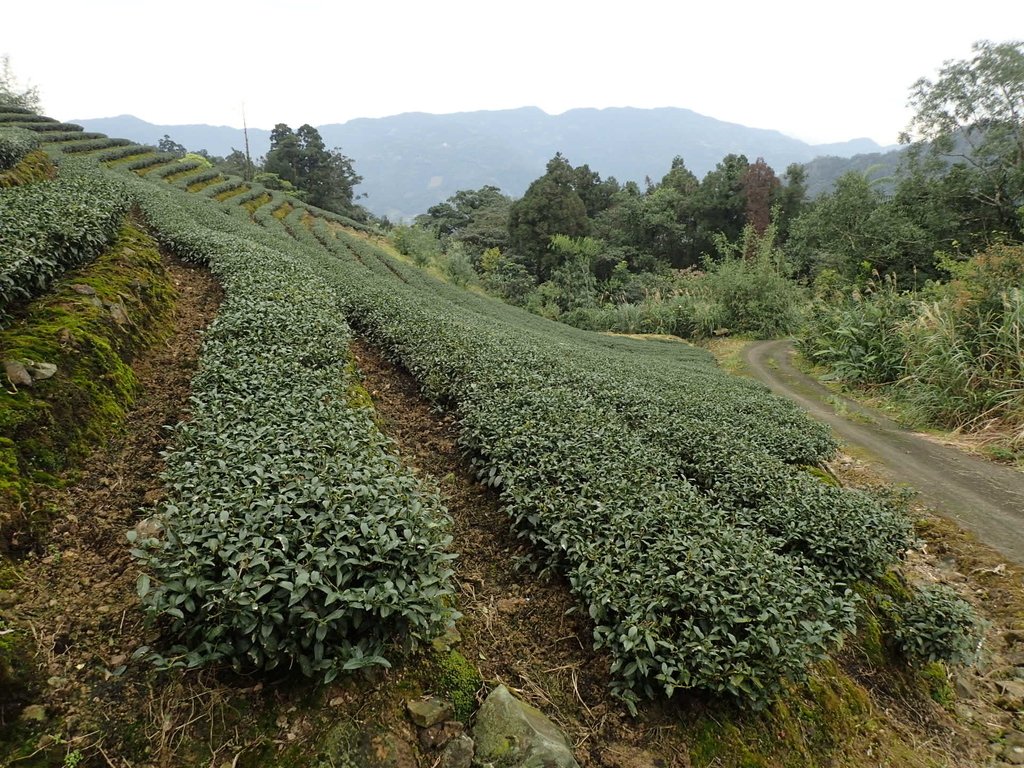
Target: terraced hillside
[{"x": 685, "y": 513}]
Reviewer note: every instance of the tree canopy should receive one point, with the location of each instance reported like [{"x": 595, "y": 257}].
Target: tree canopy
[
  {"x": 12, "y": 93},
  {"x": 326, "y": 178},
  {"x": 973, "y": 113}
]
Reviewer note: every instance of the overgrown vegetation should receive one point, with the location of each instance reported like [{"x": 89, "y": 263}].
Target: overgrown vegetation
[{"x": 951, "y": 351}]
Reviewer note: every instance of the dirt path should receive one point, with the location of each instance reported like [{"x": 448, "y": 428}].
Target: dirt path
[
  {"x": 982, "y": 497},
  {"x": 78, "y": 592}
]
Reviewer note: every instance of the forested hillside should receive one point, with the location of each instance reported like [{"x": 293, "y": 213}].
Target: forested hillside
[{"x": 413, "y": 161}]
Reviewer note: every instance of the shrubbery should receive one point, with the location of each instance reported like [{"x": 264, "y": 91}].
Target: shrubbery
[
  {"x": 49, "y": 227},
  {"x": 293, "y": 536},
  {"x": 954, "y": 350},
  {"x": 15, "y": 143}
]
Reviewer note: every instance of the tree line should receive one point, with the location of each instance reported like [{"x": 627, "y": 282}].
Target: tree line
[{"x": 298, "y": 163}]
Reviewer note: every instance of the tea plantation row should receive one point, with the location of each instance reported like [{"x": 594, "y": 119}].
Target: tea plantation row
[
  {"x": 704, "y": 556},
  {"x": 293, "y": 534},
  {"x": 51, "y": 226}
]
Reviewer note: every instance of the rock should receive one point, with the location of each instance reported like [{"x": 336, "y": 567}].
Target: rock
[
  {"x": 40, "y": 371},
  {"x": 436, "y": 736},
  {"x": 118, "y": 315},
  {"x": 458, "y": 753},
  {"x": 964, "y": 712},
  {"x": 964, "y": 686},
  {"x": 1012, "y": 688},
  {"x": 447, "y": 641},
  {"x": 513, "y": 734},
  {"x": 17, "y": 374},
  {"x": 150, "y": 528},
  {"x": 33, "y": 713},
  {"x": 1013, "y": 755},
  {"x": 430, "y": 711},
  {"x": 85, "y": 290}
]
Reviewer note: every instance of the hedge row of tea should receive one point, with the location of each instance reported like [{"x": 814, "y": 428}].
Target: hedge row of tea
[
  {"x": 670, "y": 495},
  {"x": 667, "y": 494},
  {"x": 293, "y": 534},
  {"x": 52, "y": 226},
  {"x": 15, "y": 143}
]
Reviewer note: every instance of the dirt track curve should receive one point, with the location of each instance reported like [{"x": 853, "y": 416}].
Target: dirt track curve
[{"x": 980, "y": 496}]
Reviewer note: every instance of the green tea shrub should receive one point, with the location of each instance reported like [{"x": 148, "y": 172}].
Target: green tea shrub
[
  {"x": 15, "y": 143},
  {"x": 51, "y": 226},
  {"x": 293, "y": 536},
  {"x": 936, "y": 624}
]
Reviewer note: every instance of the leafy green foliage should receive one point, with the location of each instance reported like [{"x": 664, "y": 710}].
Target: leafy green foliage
[
  {"x": 953, "y": 352},
  {"x": 52, "y": 226},
  {"x": 293, "y": 535},
  {"x": 979, "y": 102},
  {"x": 936, "y": 624},
  {"x": 327, "y": 178},
  {"x": 15, "y": 143},
  {"x": 704, "y": 558}
]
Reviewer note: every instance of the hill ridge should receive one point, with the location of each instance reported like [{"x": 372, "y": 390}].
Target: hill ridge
[{"x": 413, "y": 160}]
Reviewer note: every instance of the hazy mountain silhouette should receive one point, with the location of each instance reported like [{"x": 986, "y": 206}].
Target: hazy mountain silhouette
[{"x": 412, "y": 161}]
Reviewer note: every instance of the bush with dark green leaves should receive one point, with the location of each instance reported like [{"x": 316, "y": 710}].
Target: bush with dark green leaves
[
  {"x": 935, "y": 624},
  {"x": 668, "y": 494},
  {"x": 292, "y": 534},
  {"x": 15, "y": 143},
  {"x": 52, "y": 226}
]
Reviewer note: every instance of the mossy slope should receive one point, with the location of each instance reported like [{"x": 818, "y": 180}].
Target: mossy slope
[{"x": 90, "y": 326}]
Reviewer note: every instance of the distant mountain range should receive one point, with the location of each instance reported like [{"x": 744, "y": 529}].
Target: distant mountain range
[{"x": 412, "y": 161}]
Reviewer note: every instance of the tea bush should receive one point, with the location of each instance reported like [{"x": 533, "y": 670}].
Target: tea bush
[
  {"x": 293, "y": 536},
  {"x": 51, "y": 226}
]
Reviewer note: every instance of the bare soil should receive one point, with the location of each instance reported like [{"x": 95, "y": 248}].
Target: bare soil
[{"x": 77, "y": 592}]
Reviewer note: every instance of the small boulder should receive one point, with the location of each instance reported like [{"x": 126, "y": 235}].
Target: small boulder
[
  {"x": 430, "y": 711},
  {"x": 458, "y": 753},
  {"x": 84, "y": 290},
  {"x": 40, "y": 371},
  {"x": 511, "y": 733},
  {"x": 436, "y": 736},
  {"x": 17, "y": 373},
  {"x": 964, "y": 686},
  {"x": 1012, "y": 688},
  {"x": 118, "y": 314}
]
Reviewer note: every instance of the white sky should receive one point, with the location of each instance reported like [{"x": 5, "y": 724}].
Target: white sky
[{"x": 821, "y": 71}]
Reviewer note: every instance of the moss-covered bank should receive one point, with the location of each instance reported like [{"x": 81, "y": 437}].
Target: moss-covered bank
[{"x": 90, "y": 327}]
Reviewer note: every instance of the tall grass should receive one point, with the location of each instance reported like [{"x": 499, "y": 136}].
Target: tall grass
[
  {"x": 954, "y": 353},
  {"x": 965, "y": 365}
]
